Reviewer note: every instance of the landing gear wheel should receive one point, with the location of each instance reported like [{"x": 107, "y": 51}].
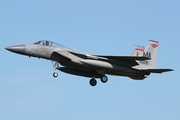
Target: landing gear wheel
[
  {"x": 55, "y": 66},
  {"x": 93, "y": 82},
  {"x": 55, "y": 74},
  {"x": 104, "y": 79}
]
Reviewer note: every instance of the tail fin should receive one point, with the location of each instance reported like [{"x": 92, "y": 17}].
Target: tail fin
[
  {"x": 151, "y": 52},
  {"x": 138, "y": 51}
]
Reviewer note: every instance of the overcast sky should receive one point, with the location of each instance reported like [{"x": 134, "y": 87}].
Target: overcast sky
[{"x": 28, "y": 91}]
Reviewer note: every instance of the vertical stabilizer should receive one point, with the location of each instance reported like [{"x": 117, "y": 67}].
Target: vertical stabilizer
[
  {"x": 151, "y": 52},
  {"x": 138, "y": 51}
]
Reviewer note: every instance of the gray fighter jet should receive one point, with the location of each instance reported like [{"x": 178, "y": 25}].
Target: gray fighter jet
[{"x": 137, "y": 66}]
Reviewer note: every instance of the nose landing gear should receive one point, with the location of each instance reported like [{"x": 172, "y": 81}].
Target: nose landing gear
[
  {"x": 55, "y": 74},
  {"x": 55, "y": 66}
]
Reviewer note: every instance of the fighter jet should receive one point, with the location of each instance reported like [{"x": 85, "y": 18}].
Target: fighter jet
[{"x": 138, "y": 66}]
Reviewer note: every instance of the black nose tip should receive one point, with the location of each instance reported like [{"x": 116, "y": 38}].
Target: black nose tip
[{"x": 17, "y": 49}]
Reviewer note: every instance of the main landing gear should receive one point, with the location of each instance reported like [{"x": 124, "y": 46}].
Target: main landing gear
[
  {"x": 93, "y": 82},
  {"x": 55, "y": 66},
  {"x": 103, "y": 79}
]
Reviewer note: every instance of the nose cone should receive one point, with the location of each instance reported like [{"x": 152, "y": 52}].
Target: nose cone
[{"x": 20, "y": 49}]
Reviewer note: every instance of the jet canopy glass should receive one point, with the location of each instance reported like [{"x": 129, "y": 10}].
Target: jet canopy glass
[{"x": 47, "y": 43}]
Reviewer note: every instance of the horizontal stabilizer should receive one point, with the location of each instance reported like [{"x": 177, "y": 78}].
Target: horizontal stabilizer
[{"x": 158, "y": 70}]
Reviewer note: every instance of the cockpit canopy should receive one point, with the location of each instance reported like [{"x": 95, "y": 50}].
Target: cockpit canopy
[{"x": 47, "y": 43}]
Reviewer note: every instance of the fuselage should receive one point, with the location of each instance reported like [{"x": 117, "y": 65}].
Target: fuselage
[{"x": 49, "y": 50}]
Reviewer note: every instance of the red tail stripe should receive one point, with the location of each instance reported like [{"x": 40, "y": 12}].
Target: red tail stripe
[
  {"x": 154, "y": 45},
  {"x": 139, "y": 49}
]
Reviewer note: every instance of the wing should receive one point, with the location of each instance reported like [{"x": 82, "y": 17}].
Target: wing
[{"x": 124, "y": 60}]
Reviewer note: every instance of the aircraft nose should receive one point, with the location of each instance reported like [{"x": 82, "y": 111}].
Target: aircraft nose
[{"x": 17, "y": 49}]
